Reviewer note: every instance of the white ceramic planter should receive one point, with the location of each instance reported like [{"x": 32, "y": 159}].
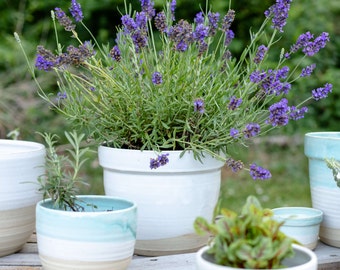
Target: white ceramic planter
[
  {"x": 324, "y": 191},
  {"x": 95, "y": 239},
  {"x": 304, "y": 259},
  {"x": 169, "y": 198},
  {"x": 21, "y": 163},
  {"x": 300, "y": 223}
]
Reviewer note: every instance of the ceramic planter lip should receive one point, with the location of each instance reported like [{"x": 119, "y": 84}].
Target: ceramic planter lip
[
  {"x": 130, "y": 206},
  {"x": 123, "y": 157},
  {"x": 17, "y": 148},
  {"x": 298, "y": 216},
  {"x": 209, "y": 265},
  {"x": 331, "y": 135}
]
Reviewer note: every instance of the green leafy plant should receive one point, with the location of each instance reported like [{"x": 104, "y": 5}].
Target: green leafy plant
[
  {"x": 334, "y": 165},
  {"x": 251, "y": 239},
  {"x": 169, "y": 84},
  {"x": 61, "y": 180}
]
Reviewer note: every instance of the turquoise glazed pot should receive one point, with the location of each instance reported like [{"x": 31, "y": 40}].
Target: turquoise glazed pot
[
  {"x": 96, "y": 238},
  {"x": 300, "y": 223},
  {"x": 324, "y": 191}
]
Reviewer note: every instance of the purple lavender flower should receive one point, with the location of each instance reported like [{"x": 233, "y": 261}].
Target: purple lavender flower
[
  {"x": 229, "y": 36},
  {"x": 322, "y": 92},
  {"x": 234, "y": 103},
  {"x": 115, "y": 53},
  {"x": 213, "y": 18},
  {"x": 251, "y": 130},
  {"x": 157, "y": 78},
  {"x": 163, "y": 159},
  {"x": 279, "y": 13},
  {"x": 199, "y": 106},
  {"x": 172, "y": 9},
  {"x": 76, "y": 11},
  {"x": 296, "y": 114},
  {"x": 235, "y": 165},
  {"x": 129, "y": 24},
  {"x": 200, "y": 33},
  {"x": 228, "y": 19},
  {"x": 181, "y": 46},
  {"x": 154, "y": 163},
  {"x": 148, "y": 8},
  {"x": 61, "y": 96},
  {"x": 141, "y": 20},
  {"x": 45, "y": 59},
  {"x": 64, "y": 20},
  {"x": 302, "y": 41},
  {"x": 308, "y": 70},
  {"x": 257, "y": 172},
  {"x": 314, "y": 47},
  {"x": 234, "y": 132},
  {"x": 279, "y": 113},
  {"x": 181, "y": 34},
  {"x": 199, "y": 18},
  {"x": 261, "y": 51},
  {"x": 160, "y": 22},
  {"x": 257, "y": 76},
  {"x": 139, "y": 40}
]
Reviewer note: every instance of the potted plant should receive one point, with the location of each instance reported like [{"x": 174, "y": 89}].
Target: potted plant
[
  {"x": 21, "y": 163},
  {"x": 162, "y": 104},
  {"x": 78, "y": 232},
  {"x": 250, "y": 240},
  {"x": 322, "y": 151}
]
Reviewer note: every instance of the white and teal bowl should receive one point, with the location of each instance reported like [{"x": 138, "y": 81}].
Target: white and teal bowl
[
  {"x": 96, "y": 238},
  {"x": 300, "y": 223}
]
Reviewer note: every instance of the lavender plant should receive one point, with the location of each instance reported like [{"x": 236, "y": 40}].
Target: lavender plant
[{"x": 170, "y": 84}]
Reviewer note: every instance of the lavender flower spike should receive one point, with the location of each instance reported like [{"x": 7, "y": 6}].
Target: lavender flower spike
[
  {"x": 257, "y": 172},
  {"x": 76, "y": 11},
  {"x": 322, "y": 92},
  {"x": 199, "y": 106},
  {"x": 279, "y": 13},
  {"x": 157, "y": 78}
]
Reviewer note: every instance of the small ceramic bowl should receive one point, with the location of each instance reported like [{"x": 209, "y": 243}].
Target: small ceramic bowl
[{"x": 300, "y": 223}]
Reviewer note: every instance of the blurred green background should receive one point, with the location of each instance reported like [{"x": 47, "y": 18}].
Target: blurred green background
[{"x": 281, "y": 151}]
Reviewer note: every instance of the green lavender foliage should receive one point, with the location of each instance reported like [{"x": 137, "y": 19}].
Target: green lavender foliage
[
  {"x": 61, "y": 180},
  {"x": 250, "y": 240}
]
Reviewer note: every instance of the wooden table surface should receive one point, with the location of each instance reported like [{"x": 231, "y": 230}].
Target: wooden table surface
[{"x": 28, "y": 259}]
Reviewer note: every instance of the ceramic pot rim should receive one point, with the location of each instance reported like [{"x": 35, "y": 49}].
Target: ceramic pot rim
[
  {"x": 311, "y": 216},
  {"x": 331, "y": 135},
  {"x": 310, "y": 253},
  {"x": 132, "y": 206},
  {"x": 19, "y": 148}
]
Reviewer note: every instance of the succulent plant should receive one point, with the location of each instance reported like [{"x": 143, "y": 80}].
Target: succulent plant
[{"x": 251, "y": 239}]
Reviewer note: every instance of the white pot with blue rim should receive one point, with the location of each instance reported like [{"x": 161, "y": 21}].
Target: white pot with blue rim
[
  {"x": 97, "y": 238},
  {"x": 324, "y": 190},
  {"x": 300, "y": 223}
]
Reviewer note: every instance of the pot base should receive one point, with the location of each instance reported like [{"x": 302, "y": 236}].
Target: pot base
[
  {"x": 170, "y": 246},
  {"x": 50, "y": 263},
  {"x": 16, "y": 226},
  {"x": 330, "y": 236}
]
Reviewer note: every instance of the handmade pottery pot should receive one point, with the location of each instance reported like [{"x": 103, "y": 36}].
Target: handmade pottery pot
[
  {"x": 169, "y": 198},
  {"x": 21, "y": 164},
  {"x": 300, "y": 223},
  {"x": 324, "y": 190},
  {"x": 98, "y": 238},
  {"x": 304, "y": 259}
]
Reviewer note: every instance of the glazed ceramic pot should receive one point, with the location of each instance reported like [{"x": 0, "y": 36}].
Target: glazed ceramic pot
[
  {"x": 324, "y": 191},
  {"x": 21, "y": 163},
  {"x": 98, "y": 238},
  {"x": 300, "y": 223},
  {"x": 169, "y": 198},
  {"x": 304, "y": 259}
]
